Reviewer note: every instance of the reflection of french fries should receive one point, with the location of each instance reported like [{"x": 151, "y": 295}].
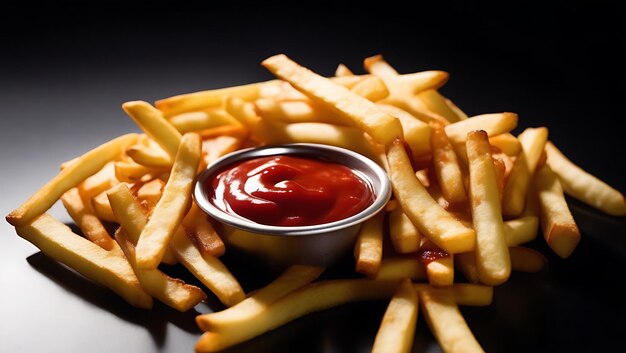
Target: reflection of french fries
[
  {"x": 584, "y": 186},
  {"x": 85, "y": 166},
  {"x": 398, "y": 325}
]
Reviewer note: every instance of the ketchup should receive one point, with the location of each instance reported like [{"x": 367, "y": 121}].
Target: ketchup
[{"x": 289, "y": 191}]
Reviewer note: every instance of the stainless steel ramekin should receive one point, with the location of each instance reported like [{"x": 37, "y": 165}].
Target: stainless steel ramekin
[{"x": 319, "y": 245}]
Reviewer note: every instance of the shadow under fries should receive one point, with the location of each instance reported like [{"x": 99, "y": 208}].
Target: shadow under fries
[{"x": 155, "y": 320}]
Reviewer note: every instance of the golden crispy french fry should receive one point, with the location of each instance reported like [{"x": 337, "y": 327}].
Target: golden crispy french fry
[
  {"x": 446, "y": 322},
  {"x": 404, "y": 86},
  {"x": 313, "y": 297},
  {"x": 217, "y": 147},
  {"x": 108, "y": 268},
  {"x": 404, "y": 236},
  {"x": 343, "y": 70},
  {"x": 202, "y": 233},
  {"x": 208, "y": 269},
  {"x": 401, "y": 267},
  {"x": 382, "y": 127},
  {"x": 196, "y": 101},
  {"x": 439, "y": 105},
  {"x": 291, "y": 279},
  {"x": 520, "y": 230},
  {"x": 130, "y": 172},
  {"x": 507, "y": 143},
  {"x": 494, "y": 264},
  {"x": 526, "y": 259},
  {"x": 85, "y": 166},
  {"x": 439, "y": 265},
  {"x": 500, "y": 171},
  {"x": 151, "y": 192},
  {"x": 131, "y": 215},
  {"x": 327, "y": 134},
  {"x": 299, "y": 111},
  {"x": 416, "y": 133},
  {"x": 102, "y": 207},
  {"x": 493, "y": 124},
  {"x": 371, "y": 88},
  {"x": 464, "y": 293},
  {"x": 99, "y": 182},
  {"x": 431, "y": 219},
  {"x": 82, "y": 213},
  {"x": 532, "y": 141},
  {"x": 171, "y": 291},
  {"x": 172, "y": 206},
  {"x": 557, "y": 224},
  {"x": 202, "y": 120},
  {"x": 154, "y": 124},
  {"x": 397, "y": 328},
  {"x": 446, "y": 165},
  {"x": 584, "y": 186},
  {"x": 378, "y": 66},
  {"x": 368, "y": 250},
  {"x": 149, "y": 157}
]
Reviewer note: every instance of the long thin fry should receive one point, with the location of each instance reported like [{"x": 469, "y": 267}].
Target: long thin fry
[
  {"x": 431, "y": 219},
  {"x": 82, "y": 213},
  {"x": 108, "y": 268},
  {"x": 172, "y": 206},
  {"x": 368, "y": 250},
  {"x": 397, "y": 328},
  {"x": 446, "y": 165},
  {"x": 383, "y": 127},
  {"x": 154, "y": 124},
  {"x": 405, "y": 237},
  {"x": 85, "y": 166},
  {"x": 493, "y": 124}
]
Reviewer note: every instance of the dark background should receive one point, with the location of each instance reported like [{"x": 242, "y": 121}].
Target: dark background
[{"x": 65, "y": 70}]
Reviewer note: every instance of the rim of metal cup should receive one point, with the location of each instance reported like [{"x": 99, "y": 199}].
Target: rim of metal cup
[{"x": 329, "y": 153}]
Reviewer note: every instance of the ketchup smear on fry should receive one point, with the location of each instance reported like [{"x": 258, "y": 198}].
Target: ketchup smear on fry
[{"x": 289, "y": 191}]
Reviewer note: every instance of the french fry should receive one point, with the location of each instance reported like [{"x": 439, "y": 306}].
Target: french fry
[
  {"x": 85, "y": 166},
  {"x": 401, "y": 267},
  {"x": 446, "y": 322},
  {"x": 207, "y": 99},
  {"x": 130, "y": 172},
  {"x": 431, "y": 219},
  {"x": 507, "y": 143},
  {"x": 291, "y": 279},
  {"x": 446, "y": 165},
  {"x": 526, "y": 259},
  {"x": 520, "y": 230},
  {"x": 459, "y": 113},
  {"x": 584, "y": 186},
  {"x": 557, "y": 224},
  {"x": 149, "y": 157},
  {"x": 154, "y": 124},
  {"x": 82, "y": 213},
  {"x": 170, "y": 291},
  {"x": 131, "y": 215},
  {"x": 172, "y": 206},
  {"x": 368, "y": 250},
  {"x": 465, "y": 263},
  {"x": 299, "y": 111},
  {"x": 343, "y": 70},
  {"x": 468, "y": 294},
  {"x": 494, "y": 263},
  {"x": 217, "y": 147},
  {"x": 151, "y": 192},
  {"x": 99, "y": 182},
  {"x": 416, "y": 133},
  {"x": 372, "y": 88},
  {"x": 108, "y": 268},
  {"x": 404, "y": 87},
  {"x": 397, "y": 328},
  {"x": 404, "y": 236},
  {"x": 382, "y": 127},
  {"x": 102, "y": 207},
  {"x": 533, "y": 141},
  {"x": 439, "y": 105},
  {"x": 439, "y": 265},
  {"x": 493, "y": 124},
  {"x": 208, "y": 269},
  {"x": 202, "y": 120},
  {"x": 313, "y": 297},
  {"x": 202, "y": 232}
]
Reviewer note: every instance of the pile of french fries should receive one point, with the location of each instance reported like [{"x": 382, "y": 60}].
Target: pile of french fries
[{"x": 467, "y": 194}]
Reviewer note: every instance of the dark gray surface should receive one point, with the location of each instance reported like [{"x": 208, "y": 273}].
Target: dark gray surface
[{"x": 64, "y": 76}]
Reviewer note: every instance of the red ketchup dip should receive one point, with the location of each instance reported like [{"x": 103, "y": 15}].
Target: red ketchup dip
[{"x": 289, "y": 191}]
